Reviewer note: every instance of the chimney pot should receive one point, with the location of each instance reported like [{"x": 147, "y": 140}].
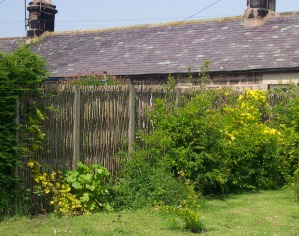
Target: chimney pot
[
  {"x": 41, "y": 17},
  {"x": 258, "y": 11}
]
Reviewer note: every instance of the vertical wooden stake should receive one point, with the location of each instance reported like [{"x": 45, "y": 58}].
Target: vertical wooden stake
[
  {"x": 132, "y": 113},
  {"x": 76, "y": 133}
]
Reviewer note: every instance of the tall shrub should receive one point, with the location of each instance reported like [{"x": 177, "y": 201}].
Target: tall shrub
[
  {"x": 20, "y": 73},
  {"x": 250, "y": 144},
  {"x": 218, "y": 140},
  {"x": 287, "y": 117}
]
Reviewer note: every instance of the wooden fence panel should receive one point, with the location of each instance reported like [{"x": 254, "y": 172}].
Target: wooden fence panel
[
  {"x": 104, "y": 123},
  {"x": 58, "y": 126},
  {"x": 91, "y": 123},
  {"x": 145, "y": 99}
]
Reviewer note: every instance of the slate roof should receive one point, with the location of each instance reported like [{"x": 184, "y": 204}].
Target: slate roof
[
  {"x": 7, "y": 45},
  {"x": 171, "y": 48}
]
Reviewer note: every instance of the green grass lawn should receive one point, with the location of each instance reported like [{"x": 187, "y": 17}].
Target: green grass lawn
[{"x": 261, "y": 213}]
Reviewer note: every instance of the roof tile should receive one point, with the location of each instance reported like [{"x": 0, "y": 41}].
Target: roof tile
[{"x": 164, "y": 49}]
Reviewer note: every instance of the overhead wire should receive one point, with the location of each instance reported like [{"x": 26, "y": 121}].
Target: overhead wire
[
  {"x": 206, "y": 8},
  {"x": 110, "y": 20},
  {"x": 2, "y": 1},
  {"x": 175, "y": 25},
  {"x": 117, "y": 20}
]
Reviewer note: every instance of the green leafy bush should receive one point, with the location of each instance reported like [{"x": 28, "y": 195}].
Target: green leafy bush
[
  {"x": 187, "y": 210},
  {"x": 89, "y": 185},
  {"x": 145, "y": 180},
  {"x": 80, "y": 191},
  {"x": 217, "y": 139},
  {"x": 20, "y": 73},
  {"x": 287, "y": 121},
  {"x": 250, "y": 144}
]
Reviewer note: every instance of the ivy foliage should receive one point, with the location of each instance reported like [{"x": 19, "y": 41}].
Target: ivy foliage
[{"x": 20, "y": 73}]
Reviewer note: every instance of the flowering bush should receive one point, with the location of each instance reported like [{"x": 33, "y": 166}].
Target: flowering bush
[
  {"x": 219, "y": 140},
  {"x": 249, "y": 144}
]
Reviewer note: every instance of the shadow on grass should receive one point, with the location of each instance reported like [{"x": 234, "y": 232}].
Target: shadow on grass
[{"x": 232, "y": 195}]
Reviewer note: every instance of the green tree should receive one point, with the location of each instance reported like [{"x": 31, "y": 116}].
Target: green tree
[{"x": 20, "y": 73}]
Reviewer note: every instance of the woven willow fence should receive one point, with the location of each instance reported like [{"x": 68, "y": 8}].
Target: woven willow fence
[{"x": 91, "y": 124}]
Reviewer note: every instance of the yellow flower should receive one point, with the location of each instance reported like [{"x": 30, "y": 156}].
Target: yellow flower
[
  {"x": 30, "y": 164},
  {"x": 52, "y": 176},
  {"x": 36, "y": 179},
  {"x": 241, "y": 97},
  {"x": 268, "y": 130}
]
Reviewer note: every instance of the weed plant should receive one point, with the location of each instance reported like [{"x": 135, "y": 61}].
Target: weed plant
[{"x": 144, "y": 181}]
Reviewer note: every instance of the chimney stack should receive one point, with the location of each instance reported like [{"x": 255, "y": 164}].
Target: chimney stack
[
  {"x": 258, "y": 11},
  {"x": 41, "y": 17}
]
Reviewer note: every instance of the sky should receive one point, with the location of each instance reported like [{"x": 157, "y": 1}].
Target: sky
[{"x": 98, "y": 14}]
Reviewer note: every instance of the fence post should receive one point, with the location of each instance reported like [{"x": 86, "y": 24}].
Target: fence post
[
  {"x": 132, "y": 114},
  {"x": 76, "y": 133}
]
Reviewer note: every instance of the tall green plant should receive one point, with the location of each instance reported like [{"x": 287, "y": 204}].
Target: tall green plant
[
  {"x": 80, "y": 191},
  {"x": 249, "y": 144},
  {"x": 218, "y": 140},
  {"x": 287, "y": 117},
  {"x": 20, "y": 73},
  {"x": 145, "y": 179}
]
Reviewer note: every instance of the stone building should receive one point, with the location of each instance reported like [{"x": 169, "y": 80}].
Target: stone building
[{"x": 257, "y": 50}]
